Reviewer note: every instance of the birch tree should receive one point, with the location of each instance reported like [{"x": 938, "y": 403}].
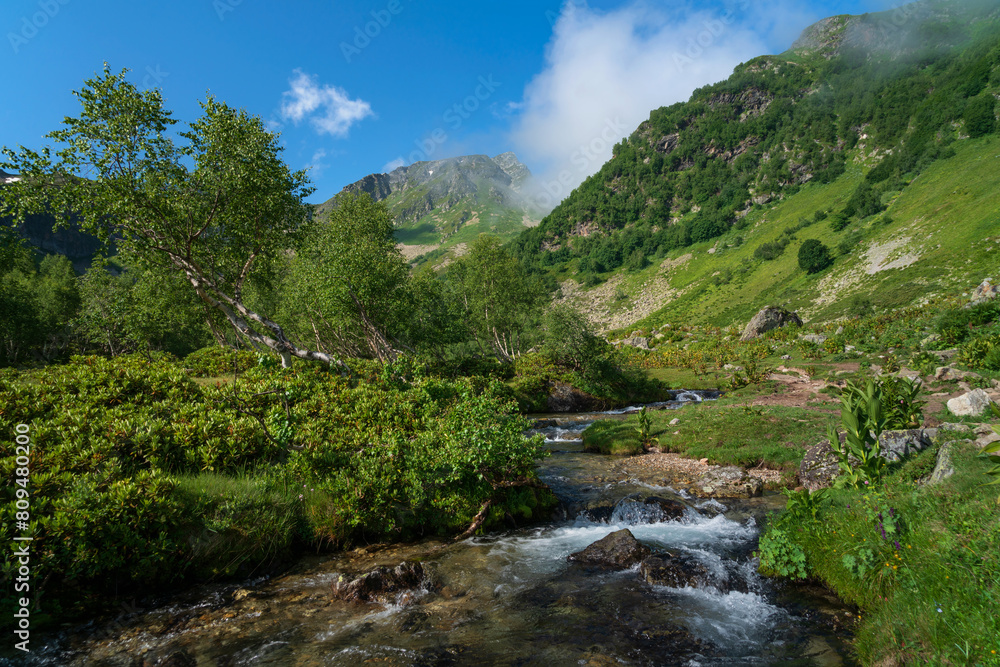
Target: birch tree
[{"x": 215, "y": 202}]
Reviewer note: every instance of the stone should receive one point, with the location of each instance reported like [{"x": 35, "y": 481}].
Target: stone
[
  {"x": 897, "y": 445},
  {"x": 945, "y": 355},
  {"x": 971, "y": 404},
  {"x": 670, "y": 510},
  {"x": 619, "y": 550},
  {"x": 960, "y": 428},
  {"x": 636, "y": 342},
  {"x": 912, "y": 376},
  {"x": 567, "y": 398},
  {"x": 984, "y": 441},
  {"x": 728, "y": 482},
  {"x": 819, "y": 467},
  {"x": 819, "y": 339},
  {"x": 732, "y": 367},
  {"x": 674, "y": 571},
  {"x": 943, "y": 468},
  {"x": 986, "y": 291},
  {"x": 767, "y": 319},
  {"x": 786, "y": 357},
  {"x": 933, "y": 338},
  {"x": 383, "y": 584},
  {"x": 675, "y": 421},
  {"x": 949, "y": 373}
]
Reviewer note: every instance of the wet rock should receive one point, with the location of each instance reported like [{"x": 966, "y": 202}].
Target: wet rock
[
  {"x": 567, "y": 398},
  {"x": 897, "y": 445},
  {"x": 768, "y": 319},
  {"x": 728, "y": 482},
  {"x": 601, "y": 514},
  {"x": 971, "y": 404},
  {"x": 383, "y": 584},
  {"x": 673, "y": 570},
  {"x": 545, "y": 423},
  {"x": 619, "y": 550},
  {"x": 172, "y": 659},
  {"x": 671, "y": 510}
]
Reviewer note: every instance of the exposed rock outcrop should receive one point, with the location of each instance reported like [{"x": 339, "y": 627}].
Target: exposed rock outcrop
[
  {"x": 767, "y": 319},
  {"x": 728, "y": 482}
]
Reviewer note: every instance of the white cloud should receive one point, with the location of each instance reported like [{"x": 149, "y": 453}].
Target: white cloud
[
  {"x": 394, "y": 165},
  {"x": 316, "y": 165},
  {"x": 328, "y": 108},
  {"x": 605, "y": 71}
]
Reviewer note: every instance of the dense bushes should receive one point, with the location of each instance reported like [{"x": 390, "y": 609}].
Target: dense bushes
[
  {"x": 814, "y": 256},
  {"x": 141, "y": 477}
]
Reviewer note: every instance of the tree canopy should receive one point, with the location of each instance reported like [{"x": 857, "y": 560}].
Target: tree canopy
[{"x": 215, "y": 202}]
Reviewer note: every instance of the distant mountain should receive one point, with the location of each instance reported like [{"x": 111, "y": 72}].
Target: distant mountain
[
  {"x": 38, "y": 231},
  {"x": 876, "y": 135},
  {"x": 440, "y": 206}
]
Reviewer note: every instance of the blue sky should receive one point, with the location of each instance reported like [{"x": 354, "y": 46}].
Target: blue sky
[{"x": 360, "y": 87}]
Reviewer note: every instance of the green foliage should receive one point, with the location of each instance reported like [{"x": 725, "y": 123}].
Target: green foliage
[
  {"x": 216, "y": 361},
  {"x": 780, "y": 556},
  {"x": 500, "y": 299},
  {"x": 145, "y": 478},
  {"x": 804, "y": 504},
  {"x": 215, "y": 204},
  {"x": 349, "y": 286},
  {"x": 980, "y": 115},
  {"x": 814, "y": 256},
  {"x": 612, "y": 436},
  {"x": 569, "y": 340},
  {"x": 994, "y": 449}
]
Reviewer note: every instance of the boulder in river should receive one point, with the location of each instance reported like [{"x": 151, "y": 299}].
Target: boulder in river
[
  {"x": 567, "y": 398},
  {"x": 619, "y": 550},
  {"x": 673, "y": 570},
  {"x": 383, "y": 584}
]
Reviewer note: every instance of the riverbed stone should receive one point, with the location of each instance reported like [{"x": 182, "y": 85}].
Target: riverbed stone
[
  {"x": 727, "y": 482},
  {"x": 674, "y": 571},
  {"x": 670, "y": 509},
  {"x": 383, "y": 584},
  {"x": 619, "y": 550}
]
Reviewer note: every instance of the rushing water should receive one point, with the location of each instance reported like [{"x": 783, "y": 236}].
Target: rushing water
[{"x": 504, "y": 599}]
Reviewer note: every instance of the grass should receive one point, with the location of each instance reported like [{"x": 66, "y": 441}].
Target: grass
[
  {"x": 931, "y": 589},
  {"x": 774, "y": 437},
  {"x": 613, "y": 436},
  {"x": 240, "y": 523}
]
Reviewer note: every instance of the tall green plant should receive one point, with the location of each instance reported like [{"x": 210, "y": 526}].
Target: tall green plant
[
  {"x": 863, "y": 419},
  {"x": 994, "y": 449}
]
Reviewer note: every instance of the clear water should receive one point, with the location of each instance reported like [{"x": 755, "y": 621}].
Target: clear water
[{"x": 505, "y": 599}]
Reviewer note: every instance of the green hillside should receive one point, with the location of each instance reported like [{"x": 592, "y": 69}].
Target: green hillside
[
  {"x": 440, "y": 207},
  {"x": 876, "y": 139}
]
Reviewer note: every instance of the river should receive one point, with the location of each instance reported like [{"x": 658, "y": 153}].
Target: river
[{"x": 504, "y": 599}]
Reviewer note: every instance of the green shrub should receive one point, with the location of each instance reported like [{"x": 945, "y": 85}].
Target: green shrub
[
  {"x": 814, "y": 256},
  {"x": 216, "y": 361}
]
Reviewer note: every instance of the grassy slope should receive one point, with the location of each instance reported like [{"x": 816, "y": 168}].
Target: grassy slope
[{"x": 945, "y": 213}]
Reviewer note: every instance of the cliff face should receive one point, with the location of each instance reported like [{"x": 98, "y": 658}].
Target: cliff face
[{"x": 38, "y": 230}]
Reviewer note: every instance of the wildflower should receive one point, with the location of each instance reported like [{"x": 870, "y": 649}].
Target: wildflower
[
  {"x": 896, "y": 544},
  {"x": 300, "y": 496}
]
